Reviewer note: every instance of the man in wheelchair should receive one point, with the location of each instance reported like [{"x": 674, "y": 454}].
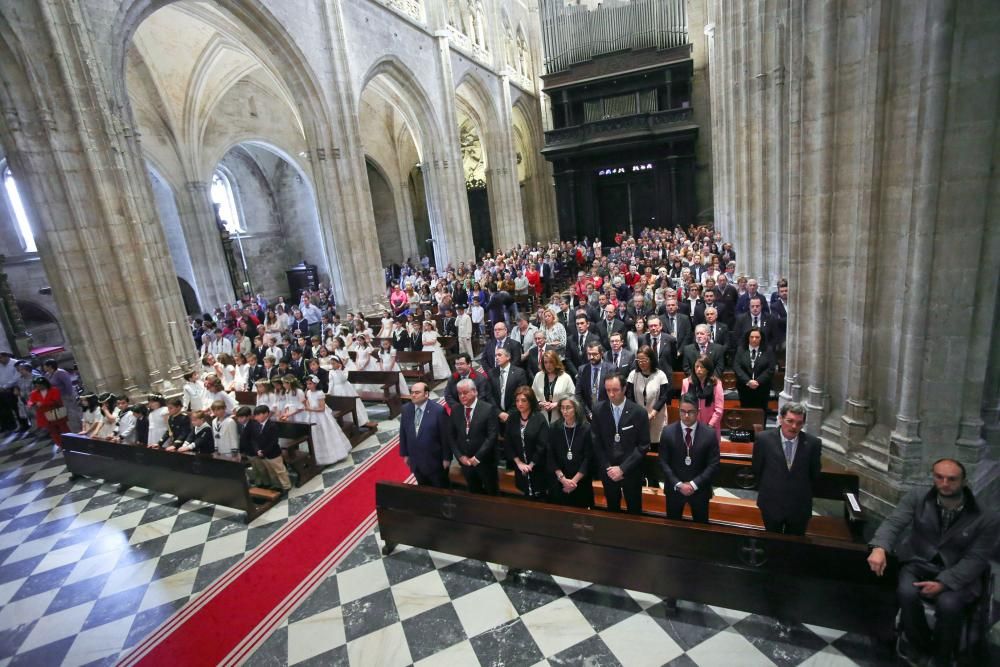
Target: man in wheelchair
[{"x": 943, "y": 559}]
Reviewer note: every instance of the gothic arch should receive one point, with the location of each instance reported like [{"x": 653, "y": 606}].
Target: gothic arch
[{"x": 399, "y": 85}]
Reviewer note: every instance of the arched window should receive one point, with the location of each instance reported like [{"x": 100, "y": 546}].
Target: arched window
[
  {"x": 222, "y": 194},
  {"x": 17, "y": 208}
]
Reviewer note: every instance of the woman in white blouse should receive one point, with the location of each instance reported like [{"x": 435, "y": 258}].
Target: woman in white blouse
[
  {"x": 551, "y": 384},
  {"x": 651, "y": 389}
]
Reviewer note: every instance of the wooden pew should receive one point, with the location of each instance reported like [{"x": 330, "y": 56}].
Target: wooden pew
[
  {"x": 345, "y": 411},
  {"x": 216, "y": 478},
  {"x": 722, "y": 510},
  {"x": 416, "y": 365},
  {"x": 387, "y": 381},
  {"x": 810, "y": 579},
  {"x": 834, "y": 483}
]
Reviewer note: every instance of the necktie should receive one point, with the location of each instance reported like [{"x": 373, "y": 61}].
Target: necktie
[
  {"x": 687, "y": 437},
  {"x": 595, "y": 373},
  {"x": 419, "y": 417},
  {"x": 618, "y": 414},
  {"x": 712, "y": 329},
  {"x": 673, "y": 325},
  {"x": 616, "y": 359},
  {"x": 468, "y": 419},
  {"x": 503, "y": 385},
  {"x": 703, "y": 349},
  {"x": 753, "y": 356},
  {"x": 789, "y": 454},
  {"x": 756, "y": 321},
  {"x": 541, "y": 351},
  {"x": 656, "y": 345}
]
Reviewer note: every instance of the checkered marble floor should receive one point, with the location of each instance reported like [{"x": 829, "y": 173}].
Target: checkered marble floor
[
  {"x": 428, "y": 608},
  {"x": 86, "y": 572}
]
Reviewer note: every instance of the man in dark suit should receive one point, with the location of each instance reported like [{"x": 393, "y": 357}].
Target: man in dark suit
[
  {"x": 533, "y": 355},
  {"x": 711, "y": 299},
  {"x": 620, "y": 435},
  {"x": 472, "y": 433},
  {"x": 702, "y": 345},
  {"x": 590, "y": 379},
  {"x": 297, "y": 365},
  {"x": 637, "y": 308},
  {"x": 743, "y": 303},
  {"x": 718, "y": 332},
  {"x": 464, "y": 371},
  {"x": 727, "y": 295},
  {"x": 504, "y": 381},
  {"x": 608, "y": 325},
  {"x": 755, "y": 318},
  {"x": 945, "y": 540},
  {"x": 786, "y": 463},
  {"x": 547, "y": 271},
  {"x": 689, "y": 457},
  {"x": 620, "y": 356},
  {"x": 779, "y": 315},
  {"x": 500, "y": 340},
  {"x": 678, "y": 325},
  {"x": 423, "y": 438},
  {"x": 577, "y": 343},
  {"x": 664, "y": 345}
]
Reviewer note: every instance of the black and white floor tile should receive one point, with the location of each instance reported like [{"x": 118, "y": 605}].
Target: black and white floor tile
[{"x": 86, "y": 572}]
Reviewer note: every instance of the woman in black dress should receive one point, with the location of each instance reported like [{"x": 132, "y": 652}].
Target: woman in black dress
[
  {"x": 526, "y": 442},
  {"x": 569, "y": 457}
]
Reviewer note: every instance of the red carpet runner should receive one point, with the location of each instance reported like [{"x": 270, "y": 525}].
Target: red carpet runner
[{"x": 232, "y": 616}]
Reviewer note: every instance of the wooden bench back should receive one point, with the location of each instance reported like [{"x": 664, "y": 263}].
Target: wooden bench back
[
  {"x": 742, "y": 418},
  {"x": 384, "y": 378}
]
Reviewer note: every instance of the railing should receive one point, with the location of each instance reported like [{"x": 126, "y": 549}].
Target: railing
[
  {"x": 649, "y": 122},
  {"x": 574, "y": 33}
]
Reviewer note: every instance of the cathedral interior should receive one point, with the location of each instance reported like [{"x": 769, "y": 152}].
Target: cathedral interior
[{"x": 161, "y": 158}]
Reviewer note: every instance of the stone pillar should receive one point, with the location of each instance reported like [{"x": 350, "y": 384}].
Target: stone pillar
[
  {"x": 201, "y": 236},
  {"x": 338, "y": 162},
  {"x": 404, "y": 209},
  {"x": 506, "y": 193},
  {"x": 78, "y": 159},
  {"x": 447, "y": 201}
]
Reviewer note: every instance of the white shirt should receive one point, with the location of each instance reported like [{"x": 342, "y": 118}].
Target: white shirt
[{"x": 227, "y": 436}]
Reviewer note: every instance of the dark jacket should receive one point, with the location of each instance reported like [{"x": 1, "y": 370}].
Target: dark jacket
[
  {"x": 178, "y": 429},
  {"x": 704, "y": 457},
  {"x": 960, "y": 555},
  {"x": 262, "y": 438},
  {"x": 633, "y": 428},
  {"x": 785, "y": 494},
  {"x": 428, "y": 449}
]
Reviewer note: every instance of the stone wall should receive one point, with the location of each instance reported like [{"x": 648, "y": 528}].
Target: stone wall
[{"x": 855, "y": 145}]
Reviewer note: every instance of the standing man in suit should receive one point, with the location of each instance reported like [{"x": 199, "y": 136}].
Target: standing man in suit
[
  {"x": 464, "y": 371},
  {"x": 727, "y": 295},
  {"x": 577, "y": 343},
  {"x": 609, "y": 324},
  {"x": 620, "y": 356},
  {"x": 533, "y": 356},
  {"x": 677, "y": 325},
  {"x": 472, "y": 433},
  {"x": 786, "y": 463},
  {"x": 689, "y": 457},
  {"x": 500, "y": 340},
  {"x": 756, "y": 317},
  {"x": 743, "y": 303},
  {"x": 422, "y": 438},
  {"x": 590, "y": 380},
  {"x": 620, "y": 435},
  {"x": 693, "y": 306},
  {"x": 663, "y": 344},
  {"x": 702, "y": 345},
  {"x": 779, "y": 315},
  {"x": 504, "y": 381}
]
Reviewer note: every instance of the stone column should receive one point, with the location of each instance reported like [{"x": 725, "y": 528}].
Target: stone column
[
  {"x": 447, "y": 201},
  {"x": 404, "y": 212},
  {"x": 906, "y": 446},
  {"x": 76, "y": 157},
  {"x": 347, "y": 221},
  {"x": 204, "y": 245},
  {"x": 509, "y": 213}
]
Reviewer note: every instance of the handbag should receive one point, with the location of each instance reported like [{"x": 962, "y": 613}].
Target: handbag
[{"x": 55, "y": 414}]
